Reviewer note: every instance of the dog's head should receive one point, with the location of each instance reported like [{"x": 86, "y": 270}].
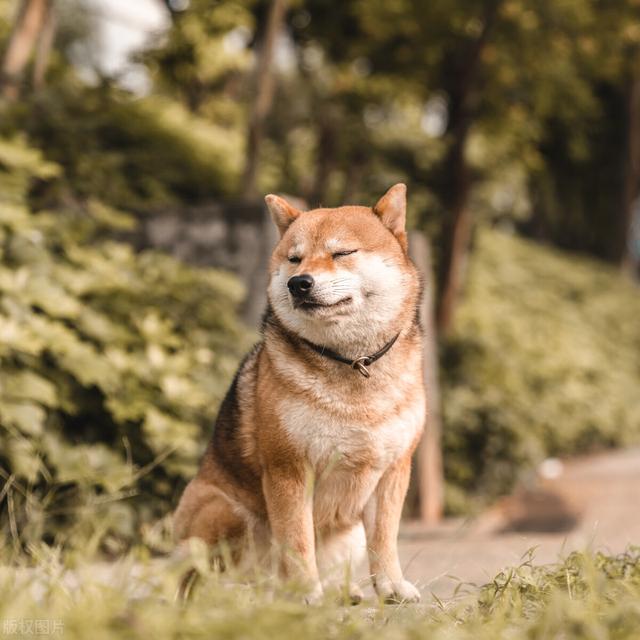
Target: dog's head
[{"x": 338, "y": 275}]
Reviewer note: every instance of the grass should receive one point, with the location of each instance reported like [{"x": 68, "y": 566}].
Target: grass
[{"x": 68, "y": 595}]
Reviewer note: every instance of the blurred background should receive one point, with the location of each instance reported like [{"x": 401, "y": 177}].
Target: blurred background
[{"x": 136, "y": 142}]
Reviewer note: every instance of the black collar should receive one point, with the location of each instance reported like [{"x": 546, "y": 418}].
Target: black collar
[{"x": 359, "y": 364}]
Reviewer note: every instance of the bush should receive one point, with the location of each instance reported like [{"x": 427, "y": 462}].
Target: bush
[
  {"x": 545, "y": 361},
  {"x": 112, "y": 361},
  {"x": 137, "y": 154}
]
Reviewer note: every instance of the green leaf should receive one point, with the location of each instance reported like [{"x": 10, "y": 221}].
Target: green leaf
[
  {"x": 23, "y": 458},
  {"x": 28, "y": 385},
  {"x": 26, "y": 416},
  {"x": 166, "y": 432}
]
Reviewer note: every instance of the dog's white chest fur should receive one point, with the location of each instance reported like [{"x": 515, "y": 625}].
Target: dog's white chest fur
[
  {"x": 347, "y": 457},
  {"x": 327, "y": 438}
]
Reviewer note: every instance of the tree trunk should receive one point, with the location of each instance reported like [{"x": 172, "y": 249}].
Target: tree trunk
[
  {"x": 457, "y": 235},
  {"x": 265, "y": 84},
  {"x": 44, "y": 46},
  {"x": 325, "y": 162},
  {"x": 430, "y": 479},
  {"x": 628, "y": 258},
  {"x": 457, "y": 227},
  {"x": 26, "y": 30},
  {"x": 357, "y": 166}
]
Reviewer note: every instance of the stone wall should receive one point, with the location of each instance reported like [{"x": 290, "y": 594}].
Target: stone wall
[{"x": 238, "y": 237}]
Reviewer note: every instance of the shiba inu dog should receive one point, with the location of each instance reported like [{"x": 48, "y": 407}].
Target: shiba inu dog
[{"x": 313, "y": 442}]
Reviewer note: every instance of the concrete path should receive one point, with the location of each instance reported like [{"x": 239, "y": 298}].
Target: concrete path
[{"x": 592, "y": 502}]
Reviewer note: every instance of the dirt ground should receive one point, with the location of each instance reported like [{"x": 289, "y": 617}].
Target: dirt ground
[{"x": 591, "y": 502}]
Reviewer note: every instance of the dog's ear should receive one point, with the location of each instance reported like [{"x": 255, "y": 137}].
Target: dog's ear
[
  {"x": 282, "y": 213},
  {"x": 392, "y": 210}
]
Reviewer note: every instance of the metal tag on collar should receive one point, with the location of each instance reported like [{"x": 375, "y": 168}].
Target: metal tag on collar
[{"x": 360, "y": 365}]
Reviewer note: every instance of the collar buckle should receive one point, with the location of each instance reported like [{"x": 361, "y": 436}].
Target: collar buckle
[{"x": 360, "y": 365}]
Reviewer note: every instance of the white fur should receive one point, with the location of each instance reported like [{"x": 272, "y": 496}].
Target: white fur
[
  {"x": 341, "y": 552},
  {"x": 376, "y": 286},
  {"x": 326, "y": 439},
  {"x": 335, "y": 446}
]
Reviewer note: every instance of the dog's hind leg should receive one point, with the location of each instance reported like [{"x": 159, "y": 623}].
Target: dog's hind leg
[{"x": 206, "y": 513}]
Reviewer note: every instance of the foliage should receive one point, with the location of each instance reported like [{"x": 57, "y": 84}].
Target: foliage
[
  {"x": 109, "y": 356},
  {"x": 7, "y": 9},
  {"x": 111, "y": 360},
  {"x": 544, "y": 361},
  {"x": 357, "y": 85},
  {"x": 362, "y": 57},
  {"x": 133, "y": 154},
  {"x": 584, "y": 597},
  {"x": 204, "y": 56}
]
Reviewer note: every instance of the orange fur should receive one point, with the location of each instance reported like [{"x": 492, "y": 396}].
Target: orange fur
[{"x": 304, "y": 446}]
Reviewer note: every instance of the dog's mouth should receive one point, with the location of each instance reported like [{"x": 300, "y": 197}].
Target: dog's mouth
[{"x": 312, "y": 306}]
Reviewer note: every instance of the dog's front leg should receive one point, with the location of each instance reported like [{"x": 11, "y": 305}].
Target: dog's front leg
[
  {"x": 381, "y": 522},
  {"x": 290, "y": 510}
]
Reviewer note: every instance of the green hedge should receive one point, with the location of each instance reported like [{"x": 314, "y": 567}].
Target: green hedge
[
  {"x": 545, "y": 361},
  {"x": 136, "y": 154},
  {"x": 110, "y": 363}
]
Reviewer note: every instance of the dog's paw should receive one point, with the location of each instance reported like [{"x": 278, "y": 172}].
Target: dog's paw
[
  {"x": 315, "y": 595},
  {"x": 396, "y": 592},
  {"x": 355, "y": 593},
  {"x": 352, "y": 594}
]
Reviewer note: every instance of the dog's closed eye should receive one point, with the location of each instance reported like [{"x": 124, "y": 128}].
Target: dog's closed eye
[{"x": 340, "y": 254}]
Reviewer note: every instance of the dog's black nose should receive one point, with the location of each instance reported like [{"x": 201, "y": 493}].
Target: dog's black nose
[{"x": 300, "y": 286}]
